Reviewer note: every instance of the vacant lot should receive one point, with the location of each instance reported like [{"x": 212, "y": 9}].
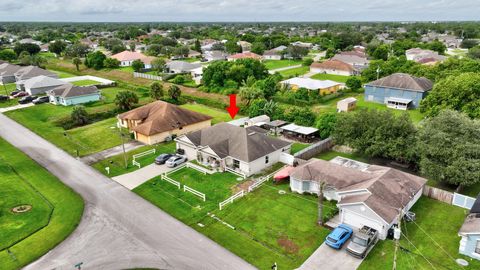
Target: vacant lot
[
  {"x": 218, "y": 115},
  {"x": 275, "y": 64},
  {"x": 85, "y": 82},
  {"x": 429, "y": 243},
  {"x": 29, "y": 235},
  {"x": 335, "y": 78}
]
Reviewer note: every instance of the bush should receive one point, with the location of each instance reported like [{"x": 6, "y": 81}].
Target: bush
[
  {"x": 111, "y": 63},
  {"x": 307, "y": 62},
  {"x": 137, "y": 65}
]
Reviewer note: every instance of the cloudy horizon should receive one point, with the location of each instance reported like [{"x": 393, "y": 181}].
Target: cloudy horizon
[{"x": 238, "y": 10}]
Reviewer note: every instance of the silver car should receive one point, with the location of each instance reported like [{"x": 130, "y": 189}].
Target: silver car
[{"x": 176, "y": 160}]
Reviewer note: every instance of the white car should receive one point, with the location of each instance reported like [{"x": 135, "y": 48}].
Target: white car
[{"x": 175, "y": 161}]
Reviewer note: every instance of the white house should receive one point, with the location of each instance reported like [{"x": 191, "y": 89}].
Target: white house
[
  {"x": 232, "y": 148},
  {"x": 126, "y": 58},
  {"x": 369, "y": 195}
]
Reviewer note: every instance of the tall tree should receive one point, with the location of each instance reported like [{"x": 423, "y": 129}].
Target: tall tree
[
  {"x": 156, "y": 90},
  {"x": 174, "y": 92},
  {"x": 125, "y": 100},
  {"x": 77, "y": 62},
  {"x": 79, "y": 116}
]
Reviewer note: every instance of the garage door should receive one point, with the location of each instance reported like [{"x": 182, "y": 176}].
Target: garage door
[{"x": 358, "y": 221}]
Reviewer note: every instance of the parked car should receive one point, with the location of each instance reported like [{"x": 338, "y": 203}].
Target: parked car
[
  {"x": 3, "y": 97},
  {"x": 175, "y": 160},
  {"x": 20, "y": 94},
  {"x": 26, "y": 99},
  {"x": 339, "y": 236},
  {"x": 362, "y": 242},
  {"x": 13, "y": 93},
  {"x": 41, "y": 100},
  {"x": 161, "y": 159}
]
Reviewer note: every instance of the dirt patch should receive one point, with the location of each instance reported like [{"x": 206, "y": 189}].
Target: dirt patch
[
  {"x": 242, "y": 186},
  {"x": 21, "y": 208},
  {"x": 288, "y": 245}
]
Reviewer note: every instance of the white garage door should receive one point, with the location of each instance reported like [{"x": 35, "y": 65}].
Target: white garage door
[{"x": 358, "y": 221}]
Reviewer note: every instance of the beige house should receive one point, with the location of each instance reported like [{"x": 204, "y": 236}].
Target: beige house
[{"x": 161, "y": 121}]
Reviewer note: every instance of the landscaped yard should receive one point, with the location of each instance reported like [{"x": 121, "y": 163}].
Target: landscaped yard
[
  {"x": 117, "y": 163},
  {"x": 331, "y": 77},
  {"x": 275, "y": 64},
  {"x": 270, "y": 225},
  {"x": 294, "y": 72},
  {"x": 23, "y": 181},
  {"x": 85, "y": 82},
  {"x": 218, "y": 115},
  {"x": 433, "y": 236}
]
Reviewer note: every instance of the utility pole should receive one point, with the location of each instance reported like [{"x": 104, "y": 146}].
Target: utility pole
[
  {"x": 320, "y": 203},
  {"x": 123, "y": 146},
  {"x": 4, "y": 87},
  {"x": 396, "y": 236}
]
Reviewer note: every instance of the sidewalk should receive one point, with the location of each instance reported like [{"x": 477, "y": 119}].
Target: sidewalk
[
  {"x": 16, "y": 107},
  {"x": 94, "y": 158}
]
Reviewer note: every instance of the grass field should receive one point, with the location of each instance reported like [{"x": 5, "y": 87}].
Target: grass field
[
  {"x": 335, "y": 78},
  {"x": 218, "y": 115},
  {"x": 275, "y": 64},
  {"x": 433, "y": 235},
  {"x": 269, "y": 226},
  {"x": 85, "y": 82},
  {"x": 62, "y": 74},
  {"x": 8, "y": 103},
  {"x": 117, "y": 163},
  {"x": 294, "y": 72},
  {"x": 23, "y": 181}
]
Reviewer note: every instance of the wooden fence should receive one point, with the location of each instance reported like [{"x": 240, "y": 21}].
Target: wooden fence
[
  {"x": 147, "y": 76},
  {"x": 438, "y": 194},
  {"x": 315, "y": 149}
]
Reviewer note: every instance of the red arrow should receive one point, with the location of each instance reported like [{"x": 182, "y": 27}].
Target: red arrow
[{"x": 233, "y": 109}]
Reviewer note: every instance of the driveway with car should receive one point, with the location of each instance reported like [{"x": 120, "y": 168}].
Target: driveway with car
[
  {"x": 140, "y": 176},
  {"x": 326, "y": 257}
]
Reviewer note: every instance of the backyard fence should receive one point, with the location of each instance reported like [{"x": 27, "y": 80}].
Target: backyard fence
[
  {"x": 147, "y": 76},
  {"x": 170, "y": 180},
  {"x": 194, "y": 192},
  {"x": 463, "y": 201},
  {"x": 235, "y": 172},
  {"x": 314, "y": 149},
  {"x": 262, "y": 180},
  {"x": 231, "y": 199},
  {"x": 438, "y": 194},
  {"x": 146, "y": 153}
]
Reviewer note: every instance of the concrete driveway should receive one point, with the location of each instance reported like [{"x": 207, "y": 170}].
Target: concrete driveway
[
  {"x": 140, "y": 176},
  {"x": 326, "y": 257}
]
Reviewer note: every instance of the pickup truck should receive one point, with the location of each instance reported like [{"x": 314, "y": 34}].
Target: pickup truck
[{"x": 362, "y": 242}]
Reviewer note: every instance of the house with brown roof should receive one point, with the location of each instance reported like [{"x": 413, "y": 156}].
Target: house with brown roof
[
  {"x": 227, "y": 147},
  {"x": 160, "y": 121},
  {"x": 398, "y": 91},
  {"x": 335, "y": 67},
  {"x": 367, "y": 195}
]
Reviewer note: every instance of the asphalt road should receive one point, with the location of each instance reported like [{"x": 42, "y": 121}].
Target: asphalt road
[{"x": 119, "y": 229}]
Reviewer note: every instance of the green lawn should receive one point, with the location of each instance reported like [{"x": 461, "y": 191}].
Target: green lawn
[
  {"x": 332, "y": 154},
  {"x": 117, "y": 163},
  {"x": 269, "y": 226},
  {"x": 296, "y": 147},
  {"x": 218, "y": 115},
  {"x": 275, "y": 64},
  {"x": 335, "y": 78},
  {"x": 434, "y": 236},
  {"x": 23, "y": 181},
  {"x": 63, "y": 74},
  {"x": 8, "y": 103},
  {"x": 85, "y": 83},
  {"x": 294, "y": 72}
]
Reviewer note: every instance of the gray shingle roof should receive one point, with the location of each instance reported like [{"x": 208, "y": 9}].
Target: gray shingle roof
[
  {"x": 70, "y": 90},
  {"x": 33, "y": 71},
  {"x": 42, "y": 81},
  {"x": 240, "y": 143},
  {"x": 403, "y": 81}
]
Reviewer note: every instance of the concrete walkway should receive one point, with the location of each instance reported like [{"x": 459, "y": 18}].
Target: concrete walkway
[
  {"x": 16, "y": 107},
  {"x": 284, "y": 68},
  {"x": 326, "y": 257},
  {"x": 140, "y": 176},
  {"x": 117, "y": 150}
]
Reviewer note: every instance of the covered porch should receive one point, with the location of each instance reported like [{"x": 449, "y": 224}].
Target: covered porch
[{"x": 398, "y": 103}]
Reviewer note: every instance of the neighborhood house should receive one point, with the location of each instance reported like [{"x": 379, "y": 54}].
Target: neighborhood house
[
  {"x": 367, "y": 195},
  {"x": 69, "y": 94},
  {"x": 323, "y": 87},
  {"x": 39, "y": 84},
  {"x": 334, "y": 67},
  {"x": 160, "y": 121},
  {"x": 126, "y": 58},
  {"x": 398, "y": 91},
  {"x": 232, "y": 148},
  {"x": 470, "y": 232},
  {"x": 28, "y": 72}
]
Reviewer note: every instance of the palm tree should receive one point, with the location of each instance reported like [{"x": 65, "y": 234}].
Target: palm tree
[
  {"x": 125, "y": 100},
  {"x": 174, "y": 92}
]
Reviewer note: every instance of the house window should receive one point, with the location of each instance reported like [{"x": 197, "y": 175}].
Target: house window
[
  {"x": 477, "y": 247},
  {"x": 266, "y": 159},
  {"x": 236, "y": 163}
]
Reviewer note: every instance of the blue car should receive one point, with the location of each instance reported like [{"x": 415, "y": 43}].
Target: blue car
[{"x": 339, "y": 236}]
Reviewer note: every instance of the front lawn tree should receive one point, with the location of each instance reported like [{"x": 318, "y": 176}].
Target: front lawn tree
[
  {"x": 95, "y": 60},
  {"x": 77, "y": 62},
  {"x": 174, "y": 92},
  {"x": 156, "y": 90},
  {"x": 354, "y": 83},
  {"x": 158, "y": 65},
  {"x": 125, "y": 100},
  {"x": 79, "y": 116},
  {"x": 449, "y": 147},
  {"x": 137, "y": 65}
]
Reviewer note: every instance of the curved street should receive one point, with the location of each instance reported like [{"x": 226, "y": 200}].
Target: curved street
[{"x": 118, "y": 230}]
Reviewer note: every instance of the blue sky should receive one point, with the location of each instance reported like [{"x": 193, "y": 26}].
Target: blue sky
[{"x": 238, "y": 10}]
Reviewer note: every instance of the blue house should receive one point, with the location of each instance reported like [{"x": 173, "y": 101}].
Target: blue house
[
  {"x": 398, "y": 91},
  {"x": 470, "y": 233},
  {"x": 69, "y": 94}
]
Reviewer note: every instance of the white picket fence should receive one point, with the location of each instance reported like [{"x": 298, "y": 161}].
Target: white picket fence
[
  {"x": 170, "y": 180},
  {"x": 463, "y": 201},
  {"x": 231, "y": 199},
  {"x": 147, "y": 76},
  {"x": 194, "y": 192},
  {"x": 198, "y": 168},
  {"x": 146, "y": 153},
  {"x": 235, "y": 172},
  {"x": 262, "y": 180},
  {"x": 177, "y": 168}
]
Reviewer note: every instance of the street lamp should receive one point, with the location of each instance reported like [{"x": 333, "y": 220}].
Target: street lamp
[{"x": 120, "y": 133}]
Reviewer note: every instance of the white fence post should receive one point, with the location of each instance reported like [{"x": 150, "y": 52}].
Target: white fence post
[
  {"x": 194, "y": 192},
  {"x": 170, "y": 180},
  {"x": 231, "y": 199}
]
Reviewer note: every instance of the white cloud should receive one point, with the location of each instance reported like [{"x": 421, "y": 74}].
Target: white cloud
[{"x": 237, "y": 10}]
